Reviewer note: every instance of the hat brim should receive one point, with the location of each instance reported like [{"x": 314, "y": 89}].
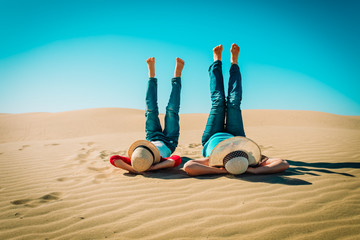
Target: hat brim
[
  {"x": 148, "y": 145},
  {"x": 235, "y": 144}
]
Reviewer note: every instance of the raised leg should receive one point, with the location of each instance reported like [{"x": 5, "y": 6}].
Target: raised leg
[
  {"x": 152, "y": 123},
  {"x": 215, "y": 122},
  {"x": 234, "y": 121},
  {"x": 172, "y": 127}
]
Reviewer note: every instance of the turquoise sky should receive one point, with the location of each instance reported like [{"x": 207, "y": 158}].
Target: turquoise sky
[{"x": 68, "y": 55}]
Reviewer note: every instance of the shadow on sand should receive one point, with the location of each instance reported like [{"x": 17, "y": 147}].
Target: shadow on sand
[
  {"x": 286, "y": 178},
  {"x": 300, "y": 168}
]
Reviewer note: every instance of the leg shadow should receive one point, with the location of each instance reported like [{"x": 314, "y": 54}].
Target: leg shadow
[
  {"x": 278, "y": 178},
  {"x": 300, "y": 167}
]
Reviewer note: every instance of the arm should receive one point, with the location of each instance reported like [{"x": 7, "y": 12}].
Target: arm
[
  {"x": 123, "y": 165},
  {"x": 201, "y": 167},
  {"x": 168, "y": 162},
  {"x": 165, "y": 164},
  {"x": 271, "y": 165}
]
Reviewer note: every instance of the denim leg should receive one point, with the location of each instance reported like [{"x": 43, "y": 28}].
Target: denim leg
[
  {"x": 152, "y": 124},
  {"x": 172, "y": 127},
  {"x": 215, "y": 122},
  {"x": 234, "y": 121}
]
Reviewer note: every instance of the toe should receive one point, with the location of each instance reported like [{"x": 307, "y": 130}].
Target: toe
[
  {"x": 150, "y": 60},
  {"x": 180, "y": 60}
]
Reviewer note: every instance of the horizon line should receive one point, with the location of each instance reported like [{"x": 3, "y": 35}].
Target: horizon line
[{"x": 261, "y": 109}]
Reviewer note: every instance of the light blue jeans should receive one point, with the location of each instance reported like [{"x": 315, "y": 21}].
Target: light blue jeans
[
  {"x": 153, "y": 129},
  {"x": 221, "y": 107}
]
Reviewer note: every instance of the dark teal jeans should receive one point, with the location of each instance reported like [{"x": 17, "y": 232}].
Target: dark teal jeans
[
  {"x": 221, "y": 107},
  {"x": 154, "y": 132}
]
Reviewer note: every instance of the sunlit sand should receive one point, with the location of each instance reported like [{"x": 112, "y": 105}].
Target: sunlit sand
[{"x": 56, "y": 181}]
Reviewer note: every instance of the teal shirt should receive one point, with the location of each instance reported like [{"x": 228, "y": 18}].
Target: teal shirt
[{"x": 213, "y": 141}]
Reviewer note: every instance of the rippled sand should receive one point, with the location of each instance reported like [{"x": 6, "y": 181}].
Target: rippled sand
[{"x": 56, "y": 181}]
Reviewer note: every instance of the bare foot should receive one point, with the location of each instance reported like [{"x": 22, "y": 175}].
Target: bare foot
[
  {"x": 234, "y": 53},
  {"x": 151, "y": 66},
  {"x": 218, "y": 52},
  {"x": 179, "y": 67}
]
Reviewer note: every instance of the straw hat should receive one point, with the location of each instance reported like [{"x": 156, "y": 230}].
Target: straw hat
[
  {"x": 143, "y": 154},
  {"x": 235, "y": 154}
]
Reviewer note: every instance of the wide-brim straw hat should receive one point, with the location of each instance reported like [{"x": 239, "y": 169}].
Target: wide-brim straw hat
[
  {"x": 143, "y": 154},
  {"x": 235, "y": 154}
]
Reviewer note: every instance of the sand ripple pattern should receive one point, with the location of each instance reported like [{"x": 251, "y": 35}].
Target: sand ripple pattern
[{"x": 66, "y": 189}]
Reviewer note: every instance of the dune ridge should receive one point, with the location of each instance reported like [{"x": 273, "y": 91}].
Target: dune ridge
[
  {"x": 56, "y": 181},
  {"x": 90, "y": 122}
]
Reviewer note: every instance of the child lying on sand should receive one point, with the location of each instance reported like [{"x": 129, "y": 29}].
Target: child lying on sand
[
  {"x": 154, "y": 152},
  {"x": 218, "y": 133}
]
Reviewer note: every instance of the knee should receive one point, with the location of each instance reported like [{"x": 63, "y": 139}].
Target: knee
[
  {"x": 190, "y": 168},
  {"x": 151, "y": 111},
  {"x": 218, "y": 100},
  {"x": 234, "y": 102},
  {"x": 172, "y": 109},
  {"x": 151, "y": 105}
]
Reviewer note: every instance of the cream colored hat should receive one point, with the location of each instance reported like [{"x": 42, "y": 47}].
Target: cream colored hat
[
  {"x": 143, "y": 154},
  {"x": 235, "y": 154}
]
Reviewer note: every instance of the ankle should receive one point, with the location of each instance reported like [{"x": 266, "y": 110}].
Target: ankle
[{"x": 217, "y": 58}]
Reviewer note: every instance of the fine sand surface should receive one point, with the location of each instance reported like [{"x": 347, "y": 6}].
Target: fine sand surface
[{"x": 56, "y": 181}]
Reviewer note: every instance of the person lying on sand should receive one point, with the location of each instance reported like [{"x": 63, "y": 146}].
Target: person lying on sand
[
  {"x": 225, "y": 147},
  {"x": 155, "y": 152}
]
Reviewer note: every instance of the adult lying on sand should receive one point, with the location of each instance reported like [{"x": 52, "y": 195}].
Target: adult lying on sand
[
  {"x": 221, "y": 144},
  {"x": 154, "y": 152}
]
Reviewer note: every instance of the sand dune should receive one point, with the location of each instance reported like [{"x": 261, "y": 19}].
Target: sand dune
[{"x": 56, "y": 181}]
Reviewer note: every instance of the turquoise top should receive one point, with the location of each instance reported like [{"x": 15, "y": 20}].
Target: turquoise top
[{"x": 213, "y": 141}]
